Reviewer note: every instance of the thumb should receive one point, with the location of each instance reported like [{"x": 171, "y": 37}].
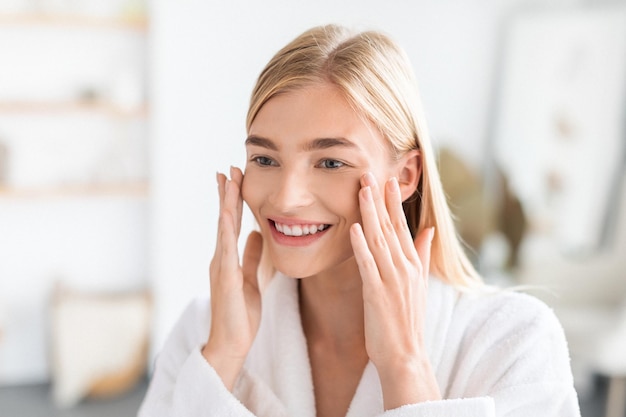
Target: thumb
[
  {"x": 252, "y": 258},
  {"x": 423, "y": 243}
]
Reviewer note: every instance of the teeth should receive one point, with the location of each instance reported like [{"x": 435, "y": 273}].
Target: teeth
[{"x": 300, "y": 230}]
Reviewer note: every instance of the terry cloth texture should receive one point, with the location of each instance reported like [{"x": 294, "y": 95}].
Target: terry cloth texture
[{"x": 494, "y": 353}]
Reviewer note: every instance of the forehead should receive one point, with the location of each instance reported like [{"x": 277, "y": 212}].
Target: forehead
[{"x": 318, "y": 111}]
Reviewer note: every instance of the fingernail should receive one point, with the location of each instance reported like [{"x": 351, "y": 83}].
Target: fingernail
[
  {"x": 232, "y": 169},
  {"x": 370, "y": 179},
  {"x": 393, "y": 185}
]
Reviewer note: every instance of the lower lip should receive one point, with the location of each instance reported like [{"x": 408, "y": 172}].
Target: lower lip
[{"x": 304, "y": 240}]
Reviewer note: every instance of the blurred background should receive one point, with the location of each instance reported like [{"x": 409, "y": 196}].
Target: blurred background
[{"x": 116, "y": 114}]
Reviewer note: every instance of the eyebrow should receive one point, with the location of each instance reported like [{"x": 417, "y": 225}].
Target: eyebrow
[
  {"x": 316, "y": 144},
  {"x": 261, "y": 142},
  {"x": 325, "y": 143}
]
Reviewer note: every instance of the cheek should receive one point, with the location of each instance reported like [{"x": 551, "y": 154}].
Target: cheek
[
  {"x": 250, "y": 190},
  {"x": 343, "y": 194}
]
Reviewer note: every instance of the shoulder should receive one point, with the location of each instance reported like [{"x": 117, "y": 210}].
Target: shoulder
[
  {"x": 498, "y": 322},
  {"x": 499, "y": 338},
  {"x": 508, "y": 309},
  {"x": 487, "y": 305},
  {"x": 508, "y": 326}
]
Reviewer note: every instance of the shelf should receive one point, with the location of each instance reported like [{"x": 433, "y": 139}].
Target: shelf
[
  {"x": 135, "y": 189},
  {"x": 139, "y": 24},
  {"x": 73, "y": 107}
]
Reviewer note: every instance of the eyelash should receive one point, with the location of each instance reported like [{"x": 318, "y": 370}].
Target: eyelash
[
  {"x": 258, "y": 159},
  {"x": 323, "y": 161},
  {"x": 264, "y": 161}
]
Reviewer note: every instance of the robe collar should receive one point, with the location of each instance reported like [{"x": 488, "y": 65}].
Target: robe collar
[{"x": 279, "y": 355}]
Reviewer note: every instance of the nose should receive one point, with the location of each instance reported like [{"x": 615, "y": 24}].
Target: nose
[{"x": 291, "y": 191}]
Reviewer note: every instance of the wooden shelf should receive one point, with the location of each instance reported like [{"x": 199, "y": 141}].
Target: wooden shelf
[
  {"x": 139, "y": 24},
  {"x": 86, "y": 105},
  {"x": 135, "y": 189},
  {"x": 109, "y": 109}
]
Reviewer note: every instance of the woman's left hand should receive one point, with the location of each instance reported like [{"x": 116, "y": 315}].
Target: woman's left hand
[{"x": 394, "y": 271}]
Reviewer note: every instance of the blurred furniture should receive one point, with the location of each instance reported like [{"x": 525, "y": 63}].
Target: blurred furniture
[
  {"x": 481, "y": 215},
  {"x": 559, "y": 137},
  {"x": 588, "y": 294},
  {"x": 99, "y": 344},
  {"x": 616, "y": 402},
  {"x": 558, "y": 124},
  {"x": 610, "y": 360}
]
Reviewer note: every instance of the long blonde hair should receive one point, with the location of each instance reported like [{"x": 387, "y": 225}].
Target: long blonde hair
[{"x": 376, "y": 78}]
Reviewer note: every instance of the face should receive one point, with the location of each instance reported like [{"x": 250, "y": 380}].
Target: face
[{"x": 306, "y": 152}]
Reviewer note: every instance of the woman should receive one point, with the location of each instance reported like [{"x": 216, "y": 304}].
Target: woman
[{"x": 373, "y": 308}]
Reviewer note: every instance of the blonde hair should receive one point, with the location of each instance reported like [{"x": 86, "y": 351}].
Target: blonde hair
[{"x": 376, "y": 78}]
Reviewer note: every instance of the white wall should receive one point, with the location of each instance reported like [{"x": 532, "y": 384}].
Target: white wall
[{"x": 205, "y": 59}]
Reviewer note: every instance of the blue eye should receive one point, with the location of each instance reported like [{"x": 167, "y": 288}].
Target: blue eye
[
  {"x": 331, "y": 164},
  {"x": 264, "y": 161}
]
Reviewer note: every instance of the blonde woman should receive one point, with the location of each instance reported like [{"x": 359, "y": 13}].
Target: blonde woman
[{"x": 373, "y": 308}]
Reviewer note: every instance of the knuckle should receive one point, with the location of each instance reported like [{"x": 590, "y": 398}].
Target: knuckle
[
  {"x": 413, "y": 257},
  {"x": 387, "y": 226},
  {"x": 379, "y": 241},
  {"x": 400, "y": 225},
  {"x": 419, "y": 268},
  {"x": 369, "y": 264}
]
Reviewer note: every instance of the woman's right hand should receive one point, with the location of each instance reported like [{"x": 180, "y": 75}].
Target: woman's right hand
[{"x": 235, "y": 296}]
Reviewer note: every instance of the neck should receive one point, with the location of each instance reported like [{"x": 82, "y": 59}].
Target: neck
[{"x": 331, "y": 307}]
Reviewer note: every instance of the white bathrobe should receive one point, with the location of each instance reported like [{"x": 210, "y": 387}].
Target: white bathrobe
[{"x": 496, "y": 353}]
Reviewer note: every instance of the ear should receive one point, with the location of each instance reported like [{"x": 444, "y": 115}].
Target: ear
[{"x": 409, "y": 172}]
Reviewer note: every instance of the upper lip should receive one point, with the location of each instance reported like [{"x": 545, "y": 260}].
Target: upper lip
[{"x": 294, "y": 222}]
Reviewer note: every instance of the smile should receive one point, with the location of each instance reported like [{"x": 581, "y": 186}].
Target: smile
[{"x": 300, "y": 229}]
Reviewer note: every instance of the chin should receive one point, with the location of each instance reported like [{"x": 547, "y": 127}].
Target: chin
[
  {"x": 292, "y": 271},
  {"x": 295, "y": 266},
  {"x": 306, "y": 266}
]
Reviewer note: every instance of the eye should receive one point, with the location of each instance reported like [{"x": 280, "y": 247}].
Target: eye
[
  {"x": 331, "y": 164},
  {"x": 264, "y": 161}
]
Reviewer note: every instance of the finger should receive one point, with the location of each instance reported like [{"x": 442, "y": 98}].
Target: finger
[
  {"x": 216, "y": 263},
  {"x": 423, "y": 245},
  {"x": 221, "y": 189},
  {"x": 384, "y": 219},
  {"x": 393, "y": 200},
  {"x": 232, "y": 196},
  {"x": 221, "y": 186},
  {"x": 364, "y": 258},
  {"x": 229, "y": 256},
  {"x": 374, "y": 236},
  {"x": 237, "y": 177},
  {"x": 226, "y": 257},
  {"x": 252, "y": 258}
]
